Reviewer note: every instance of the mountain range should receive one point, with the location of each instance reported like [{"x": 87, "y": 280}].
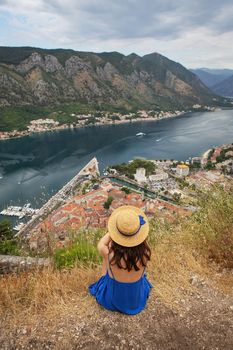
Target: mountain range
[
  {"x": 225, "y": 87},
  {"x": 35, "y": 76},
  {"x": 220, "y": 81}
]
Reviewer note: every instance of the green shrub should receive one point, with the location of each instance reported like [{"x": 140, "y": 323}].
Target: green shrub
[
  {"x": 108, "y": 202},
  {"x": 9, "y": 247},
  {"x": 209, "y": 165},
  {"x": 126, "y": 190},
  {"x": 81, "y": 250},
  {"x": 6, "y": 231}
]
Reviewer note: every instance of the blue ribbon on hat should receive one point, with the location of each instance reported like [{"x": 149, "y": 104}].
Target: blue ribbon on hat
[{"x": 142, "y": 222}]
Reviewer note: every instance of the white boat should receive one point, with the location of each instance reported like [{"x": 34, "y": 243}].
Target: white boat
[
  {"x": 18, "y": 227},
  {"x": 19, "y": 211},
  {"x": 140, "y": 134}
]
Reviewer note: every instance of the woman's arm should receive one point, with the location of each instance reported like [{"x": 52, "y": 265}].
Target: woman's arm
[{"x": 103, "y": 245}]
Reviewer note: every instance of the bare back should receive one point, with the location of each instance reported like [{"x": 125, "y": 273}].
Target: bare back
[
  {"x": 119, "y": 274},
  {"x": 123, "y": 275}
]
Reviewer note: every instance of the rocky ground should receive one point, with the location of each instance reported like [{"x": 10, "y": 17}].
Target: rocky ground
[{"x": 202, "y": 319}]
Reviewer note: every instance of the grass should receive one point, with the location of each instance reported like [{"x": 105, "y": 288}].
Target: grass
[
  {"x": 9, "y": 247},
  {"x": 201, "y": 244},
  {"x": 81, "y": 250},
  {"x": 40, "y": 291}
]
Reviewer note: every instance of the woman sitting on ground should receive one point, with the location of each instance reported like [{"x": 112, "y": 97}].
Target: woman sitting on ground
[{"x": 123, "y": 285}]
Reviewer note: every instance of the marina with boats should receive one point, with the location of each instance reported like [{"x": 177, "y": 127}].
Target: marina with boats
[
  {"x": 18, "y": 227},
  {"x": 21, "y": 212}
]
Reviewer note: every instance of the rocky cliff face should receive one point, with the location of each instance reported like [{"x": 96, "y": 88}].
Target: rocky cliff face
[{"x": 42, "y": 77}]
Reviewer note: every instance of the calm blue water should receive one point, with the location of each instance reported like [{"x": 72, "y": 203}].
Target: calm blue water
[{"x": 36, "y": 166}]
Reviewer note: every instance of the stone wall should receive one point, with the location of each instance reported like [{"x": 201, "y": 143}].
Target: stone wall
[{"x": 16, "y": 264}]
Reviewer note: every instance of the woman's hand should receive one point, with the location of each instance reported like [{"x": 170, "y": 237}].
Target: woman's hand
[{"x": 103, "y": 245}]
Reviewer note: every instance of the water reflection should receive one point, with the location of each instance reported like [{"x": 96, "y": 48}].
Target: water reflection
[{"x": 35, "y": 166}]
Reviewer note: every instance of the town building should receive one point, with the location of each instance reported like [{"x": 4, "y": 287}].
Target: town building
[
  {"x": 196, "y": 160},
  {"x": 112, "y": 171},
  {"x": 229, "y": 154},
  {"x": 159, "y": 176},
  {"x": 42, "y": 124},
  {"x": 182, "y": 170},
  {"x": 140, "y": 175}
]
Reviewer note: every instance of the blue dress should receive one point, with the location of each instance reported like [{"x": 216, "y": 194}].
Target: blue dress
[{"x": 126, "y": 297}]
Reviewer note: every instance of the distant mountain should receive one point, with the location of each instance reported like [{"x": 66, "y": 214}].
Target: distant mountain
[
  {"x": 211, "y": 77},
  {"x": 34, "y": 76},
  {"x": 218, "y": 71},
  {"x": 224, "y": 88}
]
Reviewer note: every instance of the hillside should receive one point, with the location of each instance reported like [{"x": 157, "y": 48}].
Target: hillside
[
  {"x": 190, "y": 307},
  {"x": 211, "y": 77},
  {"x": 224, "y": 88},
  {"x": 39, "y": 77}
]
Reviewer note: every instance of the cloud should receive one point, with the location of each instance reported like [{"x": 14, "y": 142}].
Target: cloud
[{"x": 187, "y": 31}]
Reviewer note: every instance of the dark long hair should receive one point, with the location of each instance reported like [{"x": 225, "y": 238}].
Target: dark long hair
[{"x": 131, "y": 256}]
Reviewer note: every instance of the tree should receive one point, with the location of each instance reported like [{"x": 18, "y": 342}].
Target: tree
[
  {"x": 126, "y": 190},
  {"x": 209, "y": 165},
  {"x": 176, "y": 197},
  {"x": 108, "y": 202},
  {"x": 115, "y": 117},
  {"x": 130, "y": 169},
  {"x": 224, "y": 169},
  {"x": 5, "y": 230},
  {"x": 8, "y": 244}
]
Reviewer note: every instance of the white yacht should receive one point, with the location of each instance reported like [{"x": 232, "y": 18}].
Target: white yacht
[{"x": 18, "y": 227}]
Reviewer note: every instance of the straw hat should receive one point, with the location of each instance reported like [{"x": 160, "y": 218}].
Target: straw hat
[{"x": 128, "y": 226}]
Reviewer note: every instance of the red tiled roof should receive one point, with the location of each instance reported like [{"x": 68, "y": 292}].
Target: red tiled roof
[{"x": 88, "y": 211}]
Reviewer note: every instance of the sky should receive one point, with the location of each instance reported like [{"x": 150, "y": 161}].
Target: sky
[{"x": 196, "y": 33}]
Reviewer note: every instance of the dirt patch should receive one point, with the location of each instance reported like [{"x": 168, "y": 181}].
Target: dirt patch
[{"x": 203, "y": 319}]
